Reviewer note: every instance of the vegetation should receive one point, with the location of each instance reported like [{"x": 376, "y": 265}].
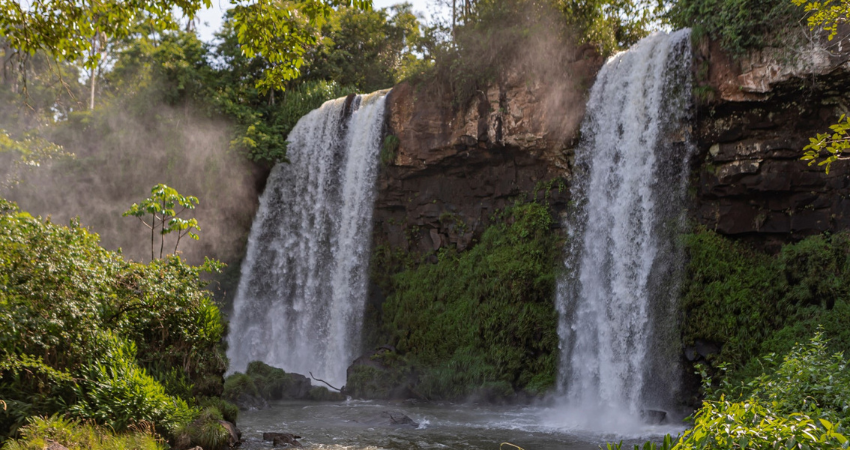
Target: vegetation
[
  {"x": 485, "y": 317},
  {"x": 801, "y": 404},
  {"x": 753, "y": 304},
  {"x": 738, "y": 25},
  {"x": 86, "y": 334},
  {"x": 161, "y": 206},
  {"x": 40, "y": 432}
]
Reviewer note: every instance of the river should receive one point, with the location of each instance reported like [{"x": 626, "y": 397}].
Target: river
[{"x": 359, "y": 425}]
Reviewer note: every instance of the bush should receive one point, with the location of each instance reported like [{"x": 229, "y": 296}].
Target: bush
[
  {"x": 237, "y": 385},
  {"x": 753, "y": 304},
  {"x": 205, "y": 431},
  {"x": 739, "y": 25},
  {"x": 484, "y": 315},
  {"x": 809, "y": 380},
  {"x": 40, "y": 431},
  {"x": 116, "y": 392},
  {"x": 803, "y": 404},
  {"x": 229, "y": 411},
  {"x": 106, "y": 330},
  {"x": 271, "y": 383}
]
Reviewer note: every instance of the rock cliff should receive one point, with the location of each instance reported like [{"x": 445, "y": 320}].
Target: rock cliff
[
  {"x": 756, "y": 113},
  {"x": 453, "y": 168}
]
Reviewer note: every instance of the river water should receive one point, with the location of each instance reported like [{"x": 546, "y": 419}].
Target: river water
[{"x": 359, "y": 425}]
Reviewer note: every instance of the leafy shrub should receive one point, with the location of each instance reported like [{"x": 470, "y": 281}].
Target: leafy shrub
[
  {"x": 754, "y": 425},
  {"x": 229, "y": 411},
  {"x": 264, "y": 138},
  {"x": 118, "y": 393},
  {"x": 753, "y": 304},
  {"x": 114, "y": 326},
  {"x": 39, "y": 431},
  {"x": 809, "y": 380},
  {"x": 237, "y": 385},
  {"x": 739, "y": 25},
  {"x": 205, "y": 431},
  {"x": 803, "y": 404},
  {"x": 271, "y": 382},
  {"x": 484, "y": 315}
]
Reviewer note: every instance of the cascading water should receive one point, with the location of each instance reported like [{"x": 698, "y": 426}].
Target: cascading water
[
  {"x": 617, "y": 304},
  {"x": 302, "y": 290}
]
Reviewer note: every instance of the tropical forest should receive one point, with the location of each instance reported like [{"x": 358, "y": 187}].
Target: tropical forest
[{"x": 425, "y": 224}]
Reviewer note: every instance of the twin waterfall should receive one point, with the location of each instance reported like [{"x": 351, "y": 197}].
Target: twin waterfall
[
  {"x": 618, "y": 303},
  {"x": 304, "y": 279}
]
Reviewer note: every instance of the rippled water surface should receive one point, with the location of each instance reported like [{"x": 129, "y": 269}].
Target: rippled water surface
[{"x": 359, "y": 425}]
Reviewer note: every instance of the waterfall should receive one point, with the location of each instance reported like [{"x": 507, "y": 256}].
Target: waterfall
[
  {"x": 618, "y": 302},
  {"x": 302, "y": 290}
]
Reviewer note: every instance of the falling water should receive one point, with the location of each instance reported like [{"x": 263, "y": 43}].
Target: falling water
[
  {"x": 303, "y": 286},
  {"x": 617, "y": 305}
]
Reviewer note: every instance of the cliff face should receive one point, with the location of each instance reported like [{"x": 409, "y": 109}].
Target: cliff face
[
  {"x": 453, "y": 168},
  {"x": 760, "y": 112}
]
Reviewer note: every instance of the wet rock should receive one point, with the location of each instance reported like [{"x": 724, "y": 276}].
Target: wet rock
[
  {"x": 235, "y": 434},
  {"x": 283, "y": 440},
  {"x": 399, "y": 419},
  {"x": 653, "y": 416},
  {"x": 750, "y": 181},
  {"x": 248, "y": 402},
  {"x": 323, "y": 394},
  {"x": 379, "y": 374},
  {"x": 299, "y": 388}
]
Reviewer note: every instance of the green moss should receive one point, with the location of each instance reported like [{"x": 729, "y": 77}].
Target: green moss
[
  {"x": 271, "y": 382},
  {"x": 323, "y": 394},
  {"x": 388, "y": 149},
  {"x": 754, "y": 304},
  {"x": 237, "y": 384},
  {"x": 482, "y": 316}
]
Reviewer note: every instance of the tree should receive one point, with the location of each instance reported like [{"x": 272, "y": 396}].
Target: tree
[
  {"x": 827, "y": 15},
  {"x": 80, "y": 31},
  {"x": 161, "y": 207}
]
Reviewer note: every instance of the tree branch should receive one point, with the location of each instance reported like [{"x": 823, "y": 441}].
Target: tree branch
[{"x": 323, "y": 381}]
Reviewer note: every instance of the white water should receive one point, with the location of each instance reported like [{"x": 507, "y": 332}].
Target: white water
[
  {"x": 617, "y": 305},
  {"x": 303, "y": 285}
]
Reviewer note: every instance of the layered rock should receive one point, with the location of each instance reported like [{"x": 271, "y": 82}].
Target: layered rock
[
  {"x": 756, "y": 115},
  {"x": 454, "y": 167}
]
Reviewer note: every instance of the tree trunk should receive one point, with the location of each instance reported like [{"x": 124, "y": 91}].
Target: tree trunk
[{"x": 93, "y": 77}]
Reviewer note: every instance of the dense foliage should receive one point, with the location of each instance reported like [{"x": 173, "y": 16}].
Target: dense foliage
[
  {"x": 84, "y": 332},
  {"x": 485, "y": 318},
  {"x": 40, "y": 431},
  {"x": 738, "y": 25},
  {"x": 753, "y": 304}
]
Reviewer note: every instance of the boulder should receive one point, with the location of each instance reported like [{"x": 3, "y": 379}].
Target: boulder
[
  {"x": 248, "y": 402},
  {"x": 53, "y": 445},
  {"x": 299, "y": 387},
  {"x": 379, "y": 374},
  {"x": 653, "y": 416},
  {"x": 282, "y": 439},
  {"x": 398, "y": 419},
  {"x": 235, "y": 433}
]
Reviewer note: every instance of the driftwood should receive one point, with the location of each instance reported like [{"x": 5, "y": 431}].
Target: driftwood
[{"x": 323, "y": 381}]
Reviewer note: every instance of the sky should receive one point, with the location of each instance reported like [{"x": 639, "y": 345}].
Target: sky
[{"x": 211, "y": 18}]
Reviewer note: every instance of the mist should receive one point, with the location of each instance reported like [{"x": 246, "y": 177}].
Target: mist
[{"x": 121, "y": 153}]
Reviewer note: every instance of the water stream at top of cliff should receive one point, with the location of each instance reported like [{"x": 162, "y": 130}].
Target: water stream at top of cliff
[
  {"x": 302, "y": 290},
  {"x": 619, "y": 357}
]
